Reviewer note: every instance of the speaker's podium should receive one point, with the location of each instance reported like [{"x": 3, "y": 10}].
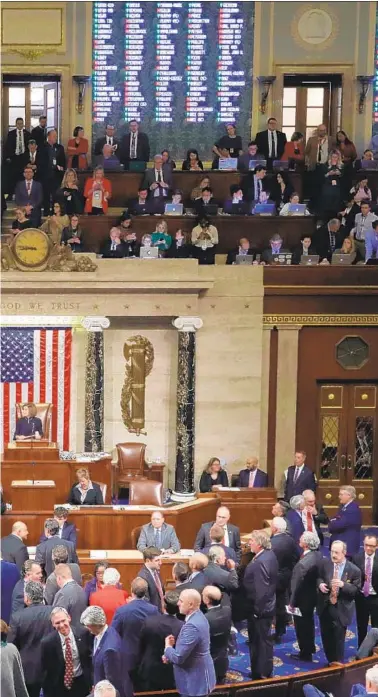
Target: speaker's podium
[{"x": 32, "y": 450}]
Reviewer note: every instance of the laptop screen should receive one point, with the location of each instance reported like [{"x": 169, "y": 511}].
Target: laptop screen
[{"x": 228, "y": 163}]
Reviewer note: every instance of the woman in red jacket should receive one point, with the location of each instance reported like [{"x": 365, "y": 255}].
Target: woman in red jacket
[
  {"x": 97, "y": 192},
  {"x": 294, "y": 150},
  {"x": 77, "y": 150}
]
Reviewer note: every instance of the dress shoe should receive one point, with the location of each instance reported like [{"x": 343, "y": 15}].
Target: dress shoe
[{"x": 301, "y": 657}]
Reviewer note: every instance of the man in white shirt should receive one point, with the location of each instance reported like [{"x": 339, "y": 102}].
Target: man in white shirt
[
  {"x": 108, "y": 139},
  {"x": 367, "y": 598},
  {"x": 271, "y": 143},
  {"x": 362, "y": 222},
  {"x": 158, "y": 180}
]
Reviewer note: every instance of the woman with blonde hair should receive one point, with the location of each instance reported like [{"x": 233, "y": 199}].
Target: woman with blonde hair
[
  {"x": 212, "y": 476},
  {"x": 86, "y": 492},
  {"x": 160, "y": 237},
  {"x": 29, "y": 425},
  {"x": 69, "y": 195},
  {"x": 348, "y": 247}
]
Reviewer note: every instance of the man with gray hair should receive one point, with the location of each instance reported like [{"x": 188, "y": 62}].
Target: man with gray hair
[
  {"x": 221, "y": 571},
  {"x": 29, "y": 626},
  {"x": 287, "y": 553},
  {"x": 304, "y": 594},
  {"x": 346, "y": 524},
  {"x": 371, "y": 686},
  {"x": 158, "y": 180},
  {"x": 107, "y": 651},
  {"x": 43, "y": 554},
  {"x": 70, "y": 595},
  {"x": 294, "y": 516},
  {"x": 104, "y": 689},
  {"x": 111, "y": 596},
  {"x": 59, "y": 555},
  {"x": 260, "y": 581}
]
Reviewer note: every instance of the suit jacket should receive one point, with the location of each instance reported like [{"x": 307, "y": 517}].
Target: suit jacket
[
  {"x": 68, "y": 533},
  {"x": 262, "y": 142},
  {"x": 261, "y": 479},
  {"x": 119, "y": 253},
  {"x": 346, "y": 526},
  {"x": 306, "y": 480},
  {"x": 11, "y": 141},
  {"x": 73, "y": 598},
  {"x": 220, "y": 621},
  {"x": 197, "y": 583},
  {"x": 241, "y": 208},
  {"x": 18, "y": 597},
  {"x": 233, "y": 253},
  {"x": 29, "y": 626},
  {"x": 9, "y": 576},
  {"x": 192, "y": 663},
  {"x": 359, "y": 561},
  {"x": 268, "y": 255},
  {"x": 59, "y": 156},
  {"x": 203, "y": 538},
  {"x": 100, "y": 142},
  {"x": 287, "y": 553},
  {"x": 39, "y": 162},
  {"x": 108, "y": 663},
  {"x": 230, "y": 553},
  {"x": 260, "y": 581},
  {"x": 53, "y": 663},
  {"x": 39, "y": 135},
  {"x": 13, "y": 550},
  {"x": 43, "y": 554},
  {"x": 206, "y": 482},
  {"x": 311, "y": 150},
  {"x": 320, "y": 519},
  {"x": 184, "y": 251},
  {"x": 298, "y": 251},
  {"x": 149, "y": 179},
  {"x": 215, "y": 575},
  {"x": 168, "y": 538},
  {"x": 303, "y": 591},
  {"x": 345, "y": 600},
  {"x": 295, "y": 524},
  {"x": 128, "y": 621},
  {"x": 153, "y": 594},
  {"x": 155, "y": 674},
  {"x": 322, "y": 242},
  {"x": 142, "y": 150},
  {"x": 93, "y": 497},
  {"x": 51, "y": 587}
]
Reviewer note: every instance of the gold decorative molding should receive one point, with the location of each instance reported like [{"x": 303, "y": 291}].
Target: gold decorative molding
[
  {"x": 139, "y": 356},
  {"x": 33, "y": 54},
  {"x": 315, "y": 26},
  {"x": 321, "y": 320}
]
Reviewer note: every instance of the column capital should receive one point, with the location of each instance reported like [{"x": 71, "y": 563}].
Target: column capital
[
  {"x": 289, "y": 327},
  {"x": 95, "y": 324},
  {"x": 187, "y": 324}
]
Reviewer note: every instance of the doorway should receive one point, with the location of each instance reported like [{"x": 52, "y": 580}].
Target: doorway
[
  {"x": 309, "y": 100},
  {"x": 29, "y": 97}
]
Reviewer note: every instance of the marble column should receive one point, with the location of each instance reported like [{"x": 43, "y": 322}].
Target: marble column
[
  {"x": 94, "y": 383},
  {"x": 186, "y": 397},
  {"x": 286, "y": 406}
]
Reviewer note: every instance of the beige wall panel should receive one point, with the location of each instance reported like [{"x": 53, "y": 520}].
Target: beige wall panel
[{"x": 41, "y": 25}]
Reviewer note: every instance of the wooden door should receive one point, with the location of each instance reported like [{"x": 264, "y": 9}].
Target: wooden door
[{"x": 347, "y": 451}]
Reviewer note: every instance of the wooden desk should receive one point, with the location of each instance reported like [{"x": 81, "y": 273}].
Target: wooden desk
[
  {"x": 33, "y": 497},
  {"x": 248, "y": 507}
]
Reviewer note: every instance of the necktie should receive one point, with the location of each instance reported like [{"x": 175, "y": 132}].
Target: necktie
[
  {"x": 28, "y": 186},
  {"x": 334, "y": 591},
  {"x": 296, "y": 475},
  {"x": 320, "y": 153},
  {"x": 366, "y": 588},
  {"x": 273, "y": 147},
  {"x": 310, "y": 526},
  {"x": 113, "y": 247},
  {"x": 332, "y": 240},
  {"x": 251, "y": 482},
  {"x": 158, "y": 538},
  {"x": 69, "y": 669},
  {"x": 133, "y": 148},
  {"x": 19, "y": 144},
  {"x": 159, "y": 589}
]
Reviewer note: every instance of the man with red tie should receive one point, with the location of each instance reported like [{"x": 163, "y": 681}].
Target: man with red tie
[
  {"x": 252, "y": 477},
  {"x": 367, "y": 598},
  {"x": 299, "y": 477},
  {"x": 313, "y": 515},
  {"x": 151, "y": 573}
]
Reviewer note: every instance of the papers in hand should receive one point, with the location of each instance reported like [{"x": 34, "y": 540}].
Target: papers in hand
[{"x": 293, "y": 611}]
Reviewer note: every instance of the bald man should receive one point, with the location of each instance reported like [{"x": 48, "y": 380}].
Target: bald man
[
  {"x": 219, "y": 619},
  {"x": 231, "y": 533},
  {"x": 13, "y": 547},
  {"x": 193, "y": 666},
  {"x": 251, "y": 477}
]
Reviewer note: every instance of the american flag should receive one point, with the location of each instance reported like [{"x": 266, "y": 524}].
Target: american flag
[{"x": 36, "y": 367}]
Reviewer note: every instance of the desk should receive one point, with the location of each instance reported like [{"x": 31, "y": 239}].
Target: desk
[
  {"x": 128, "y": 562},
  {"x": 33, "y": 497},
  {"x": 248, "y": 507}
]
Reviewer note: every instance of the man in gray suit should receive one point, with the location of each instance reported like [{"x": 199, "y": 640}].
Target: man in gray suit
[
  {"x": 59, "y": 556},
  {"x": 157, "y": 180},
  {"x": 71, "y": 596},
  {"x": 159, "y": 534}
]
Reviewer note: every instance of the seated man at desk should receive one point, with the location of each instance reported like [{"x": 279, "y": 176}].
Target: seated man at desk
[
  {"x": 159, "y": 534},
  {"x": 231, "y": 533},
  {"x": 67, "y": 531},
  {"x": 86, "y": 492},
  {"x": 252, "y": 477},
  {"x": 29, "y": 426}
]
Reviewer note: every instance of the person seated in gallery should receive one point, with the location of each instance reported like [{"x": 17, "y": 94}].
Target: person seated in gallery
[
  {"x": 160, "y": 238},
  {"x": 141, "y": 205},
  {"x": 360, "y": 190},
  {"x": 276, "y": 246},
  {"x": 206, "y": 199},
  {"x": 348, "y": 214},
  {"x": 230, "y": 142},
  {"x": 179, "y": 249},
  {"x": 77, "y": 150},
  {"x": 29, "y": 426},
  {"x": 158, "y": 534},
  {"x": 243, "y": 249},
  {"x": 177, "y": 198},
  {"x": 72, "y": 235},
  {"x": 29, "y": 193},
  {"x": 305, "y": 248},
  {"x": 97, "y": 193},
  {"x": 204, "y": 240},
  {"x": 281, "y": 190},
  {"x": 108, "y": 139},
  {"x": 168, "y": 163},
  {"x": 251, "y": 154},
  {"x": 55, "y": 223},
  {"x": 67, "y": 531},
  {"x": 158, "y": 180},
  {"x": 108, "y": 159},
  {"x": 293, "y": 200},
  {"x": 86, "y": 492},
  {"x": 22, "y": 221},
  {"x": 348, "y": 247},
  {"x": 216, "y": 539},
  {"x": 197, "y": 191},
  {"x": 235, "y": 205},
  {"x": 212, "y": 476},
  {"x": 114, "y": 247},
  {"x": 68, "y": 193},
  {"x": 294, "y": 151},
  {"x": 255, "y": 185},
  {"x": 192, "y": 163},
  {"x": 251, "y": 476}
]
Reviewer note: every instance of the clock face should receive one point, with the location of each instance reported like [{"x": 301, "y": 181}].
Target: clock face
[{"x": 31, "y": 248}]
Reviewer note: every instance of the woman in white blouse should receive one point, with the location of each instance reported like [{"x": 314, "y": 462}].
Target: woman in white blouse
[{"x": 294, "y": 199}]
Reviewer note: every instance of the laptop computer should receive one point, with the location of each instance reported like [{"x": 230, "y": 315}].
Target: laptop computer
[
  {"x": 264, "y": 209},
  {"x": 211, "y": 209},
  {"x": 244, "y": 259},
  {"x": 255, "y": 163},
  {"x": 173, "y": 209},
  {"x": 309, "y": 259},
  {"x": 297, "y": 209},
  {"x": 282, "y": 259},
  {"x": 226, "y": 163},
  {"x": 369, "y": 164},
  {"x": 137, "y": 166},
  {"x": 149, "y": 253},
  {"x": 280, "y": 165},
  {"x": 343, "y": 259}
]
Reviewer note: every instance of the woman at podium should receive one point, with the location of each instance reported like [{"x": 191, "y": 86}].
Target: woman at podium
[
  {"x": 213, "y": 475},
  {"x": 86, "y": 492},
  {"x": 29, "y": 426}
]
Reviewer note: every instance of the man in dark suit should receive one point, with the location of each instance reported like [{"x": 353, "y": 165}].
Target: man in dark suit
[
  {"x": 231, "y": 533},
  {"x": 15, "y": 147},
  {"x": 67, "y": 531},
  {"x": 287, "y": 553},
  {"x": 338, "y": 582},
  {"x": 44, "y": 549},
  {"x": 151, "y": 573},
  {"x": 346, "y": 524},
  {"x": 141, "y": 205},
  {"x": 129, "y": 619},
  {"x": 252, "y": 477},
  {"x": 328, "y": 238},
  {"x": 55, "y": 164},
  {"x": 216, "y": 535},
  {"x": 60, "y": 555},
  {"x": 107, "y": 651},
  {"x": 108, "y": 139},
  {"x": 66, "y": 658},
  {"x": 299, "y": 476},
  {"x": 135, "y": 146},
  {"x": 276, "y": 246},
  {"x": 255, "y": 185},
  {"x": 39, "y": 133},
  {"x": 31, "y": 571},
  {"x": 294, "y": 517},
  {"x": 35, "y": 158},
  {"x": 244, "y": 249},
  {"x": 158, "y": 181},
  {"x": 260, "y": 581},
  {"x": 221, "y": 572},
  {"x": 29, "y": 626},
  {"x": 153, "y": 674},
  {"x": 367, "y": 598},
  {"x": 9, "y": 577},
  {"x": 197, "y": 580},
  {"x": 271, "y": 143},
  {"x": 314, "y": 514},
  {"x": 220, "y": 621},
  {"x": 29, "y": 194},
  {"x": 13, "y": 547},
  {"x": 70, "y": 595},
  {"x": 303, "y": 594}
]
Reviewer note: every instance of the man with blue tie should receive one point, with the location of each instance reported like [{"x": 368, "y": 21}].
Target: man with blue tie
[
  {"x": 252, "y": 477},
  {"x": 159, "y": 534},
  {"x": 299, "y": 477},
  {"x": 346, "y": 525}
]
